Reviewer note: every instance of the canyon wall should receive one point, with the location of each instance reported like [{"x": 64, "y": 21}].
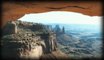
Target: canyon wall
[{"x": 23, "y": 41}]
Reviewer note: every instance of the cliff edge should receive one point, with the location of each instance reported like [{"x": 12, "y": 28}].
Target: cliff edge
[{"x": 29, "y": 40}]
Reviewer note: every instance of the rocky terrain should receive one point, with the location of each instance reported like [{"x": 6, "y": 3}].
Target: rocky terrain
[
  {"x": 28, "y": 40},
  {"x": 78, "y": 45}
]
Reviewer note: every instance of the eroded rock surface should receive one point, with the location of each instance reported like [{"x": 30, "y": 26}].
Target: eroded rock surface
[{"x": 26, "y": 41}]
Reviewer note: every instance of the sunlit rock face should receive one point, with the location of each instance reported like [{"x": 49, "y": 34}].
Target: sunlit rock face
[
  {"x": 27, "y": 42},
  {"x": 22, "y": 45},
  {"x": 34, "y": 53}
]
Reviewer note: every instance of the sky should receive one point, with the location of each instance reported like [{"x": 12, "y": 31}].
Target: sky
[{"x": 63, "y": 17}]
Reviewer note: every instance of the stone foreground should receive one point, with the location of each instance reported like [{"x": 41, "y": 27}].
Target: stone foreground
[{"x": 27, "y": 40}]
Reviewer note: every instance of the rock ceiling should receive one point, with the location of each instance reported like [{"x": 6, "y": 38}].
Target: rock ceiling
[{"x": 15, "y": 10}]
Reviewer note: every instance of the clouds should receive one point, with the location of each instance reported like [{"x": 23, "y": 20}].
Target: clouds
[{"x": 63, "y": 17}]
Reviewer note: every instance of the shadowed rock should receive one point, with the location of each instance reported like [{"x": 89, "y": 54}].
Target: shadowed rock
[{"x": 10, "y": 28}]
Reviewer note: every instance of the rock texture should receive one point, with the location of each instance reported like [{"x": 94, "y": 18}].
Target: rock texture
[
  {"x": 27, "y": 40},
  {"x": 14, "y": 10}
]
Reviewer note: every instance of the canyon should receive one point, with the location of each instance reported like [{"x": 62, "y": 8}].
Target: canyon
[{"x": 29, "y": 40}]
